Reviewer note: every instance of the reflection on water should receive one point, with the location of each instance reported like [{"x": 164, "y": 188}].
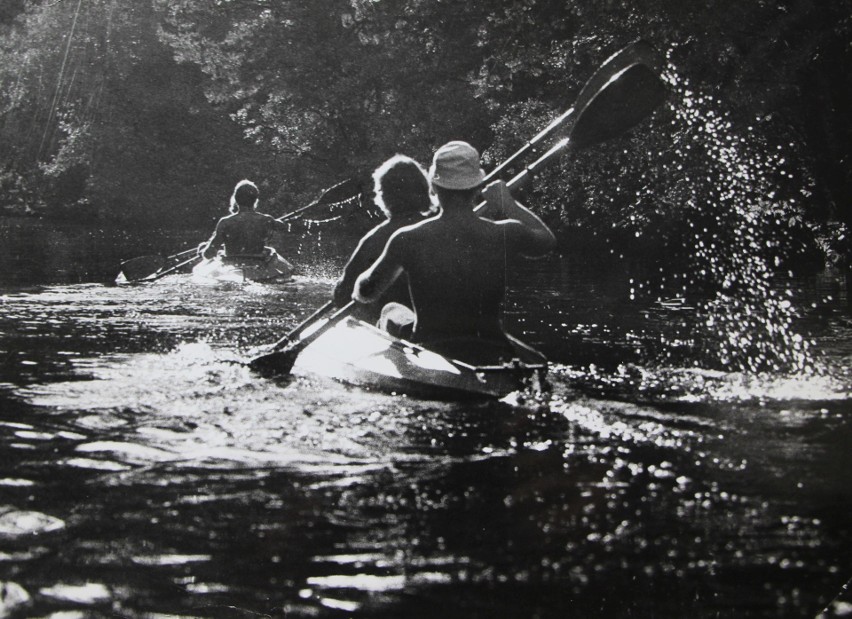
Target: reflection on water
[
  {"x": 692, "y": 457},
  {"x": 146, "y": 472}
]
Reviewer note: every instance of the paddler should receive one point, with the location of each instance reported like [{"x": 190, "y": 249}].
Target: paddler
[
  {"x": 245, "y": 232},
  {"x": 402, "y": 193},
  {"x": 456, "y": 262}
]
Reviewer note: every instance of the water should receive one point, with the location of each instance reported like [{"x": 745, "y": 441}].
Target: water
[
  {"x": 691, "y": 459},
  {"x": 145, "y": 472}
]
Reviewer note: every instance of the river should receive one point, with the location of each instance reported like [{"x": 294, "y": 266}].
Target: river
[{"x": 146, "y": 472}]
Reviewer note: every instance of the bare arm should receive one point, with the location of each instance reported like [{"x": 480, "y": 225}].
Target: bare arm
[
  {"x": 281, "y": 226},
  {"x": 373, "y": 282},
  {"x": 500, "y": 205},
  {"x": 358, "y": 263},
  {"x": 274, "y": 234},
  {"x": 209, "y": 250}
]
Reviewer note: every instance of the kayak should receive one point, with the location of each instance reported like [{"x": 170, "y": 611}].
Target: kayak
[
  {"x": 358, "y": 353},
  {"x": 242, "y": 268}
]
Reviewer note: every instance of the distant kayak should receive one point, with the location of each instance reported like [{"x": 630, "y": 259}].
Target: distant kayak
[
  {"x": 243, "y": 268},
  {"x": 358, "y": 353}
]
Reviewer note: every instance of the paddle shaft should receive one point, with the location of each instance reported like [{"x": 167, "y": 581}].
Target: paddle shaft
[
  {"x": 635, "y": 53},
  {"x": 545, "y": 133},
  {"x": 529, "y": 171},
  {"x": 182, "y": 253},
  {"x": 336, "y": 317},
  {"x": 156, "y": 276},
  {"x": 282, "y": 359},
  {"x": 282, "y": 343}
]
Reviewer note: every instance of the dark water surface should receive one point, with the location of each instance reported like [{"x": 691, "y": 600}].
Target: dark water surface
[{"x": 144, "y": 472}]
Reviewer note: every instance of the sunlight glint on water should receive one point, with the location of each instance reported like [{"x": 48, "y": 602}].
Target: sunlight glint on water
[{"x": 746, "y": 322}]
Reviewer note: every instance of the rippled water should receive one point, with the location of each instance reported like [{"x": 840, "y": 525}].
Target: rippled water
[{"x": 145, "y": 472}]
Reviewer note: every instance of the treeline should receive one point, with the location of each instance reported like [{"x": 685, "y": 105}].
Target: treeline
[{"x": 146, "y": 112}]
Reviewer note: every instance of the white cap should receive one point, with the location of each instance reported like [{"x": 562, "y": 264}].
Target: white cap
[{"x": 456, "y": 166}]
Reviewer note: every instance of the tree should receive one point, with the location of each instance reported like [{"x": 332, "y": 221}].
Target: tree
[
  {"x": 151, "y": 110},
  {"x": 96, "y": 113}
]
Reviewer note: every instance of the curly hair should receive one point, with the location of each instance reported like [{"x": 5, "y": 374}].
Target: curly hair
[
  {"x": 401, "y": 186},
  {"x": 245, "y": 196}
]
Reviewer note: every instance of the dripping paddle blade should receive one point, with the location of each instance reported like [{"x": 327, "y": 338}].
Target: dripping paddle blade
[
  {"x": 623, "y": 92},
  {"x": 620, "y": 104},
  {"x": 337, "y": 195},
  {"x": 275, "y": 363},
  {"x": 141, "y": 267}
]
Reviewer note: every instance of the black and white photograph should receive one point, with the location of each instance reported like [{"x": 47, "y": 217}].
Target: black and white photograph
[{"x": 425, "y": 309}]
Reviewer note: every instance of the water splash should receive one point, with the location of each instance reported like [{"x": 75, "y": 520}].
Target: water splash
[
  {"x": 694, "y": 385},
  {"x": 740, "y": 205}
]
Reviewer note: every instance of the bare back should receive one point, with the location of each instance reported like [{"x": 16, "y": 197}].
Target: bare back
[
  {"x": 456, "y": 265},
  {"x": 457, "y": 276},
  {"x": 244, "y": 234}
]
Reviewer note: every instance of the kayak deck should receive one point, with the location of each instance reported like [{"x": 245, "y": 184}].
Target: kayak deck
[
  {"x": 358, "y": 353},
  {"x": 241, "y": 269}
]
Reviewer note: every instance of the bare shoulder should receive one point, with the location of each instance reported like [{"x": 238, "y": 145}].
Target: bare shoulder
[
  {"x": 406, "y": 239},
  {"x": 507, "y": 226},
  {"x": 524, "y": 239},
  {"x": 420, "y": 229},
  {"x": 377, "y": 231},
  {"x": 374, "y": 241},
  {"x": 513, "y": 233},
  {"x": 227, "y": 220}
]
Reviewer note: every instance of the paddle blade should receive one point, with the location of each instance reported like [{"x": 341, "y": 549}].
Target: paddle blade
[
  {"x": 276, "y": 363},
  {"x": 336, "y": 196},
  {"x": 637, "y": 53},
  {"x": 285, "y": 351},
  {"x": 141, "y": 267},
  {"x": 621, "y": 103},
  {"x": 342, "y": 191}
]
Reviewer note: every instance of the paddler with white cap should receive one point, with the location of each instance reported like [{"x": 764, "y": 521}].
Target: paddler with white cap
[{"x": 456, "y": 262}]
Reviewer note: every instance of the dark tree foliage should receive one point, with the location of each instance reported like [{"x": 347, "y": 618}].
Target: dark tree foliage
[
  {"x": 150, "y": 110},
  {"x": 10, "y": 9},
  {"x": 99, "y": 120}
]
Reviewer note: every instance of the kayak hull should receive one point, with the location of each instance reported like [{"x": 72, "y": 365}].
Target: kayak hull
[
  {"x": 358, "y": 353},
  {"x": 242, "y": 269}
]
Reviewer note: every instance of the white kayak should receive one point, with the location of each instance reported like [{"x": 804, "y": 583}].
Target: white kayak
[
  {"x": 243, "y": 268},
  {"x": 358, "y": 353}
]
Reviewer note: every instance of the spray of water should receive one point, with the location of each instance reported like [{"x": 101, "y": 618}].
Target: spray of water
[{"x": 737, "y": 233}]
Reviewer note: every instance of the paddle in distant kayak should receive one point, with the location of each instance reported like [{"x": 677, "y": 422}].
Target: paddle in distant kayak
[{"x": 150, "y": 268}]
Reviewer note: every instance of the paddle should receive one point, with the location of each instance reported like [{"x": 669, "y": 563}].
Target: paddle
[
  {"x": 139, "y": 268},
  {"x": 632, "y": 71},
  {"x": 637, "y": 53},
  {"x": 153, "y": 267},
  {"x": 284, "y": 352},
  {"x": 162, "y": 273},
  {"x": 625, "y": 90}
]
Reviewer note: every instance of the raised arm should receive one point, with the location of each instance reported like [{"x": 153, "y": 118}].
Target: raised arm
[
  {"x": 373, "y": 282},
  {"x": 361, "y": 259},
  {"x": 285, "y": 226},
  {"x": 536, "y": 238}
]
